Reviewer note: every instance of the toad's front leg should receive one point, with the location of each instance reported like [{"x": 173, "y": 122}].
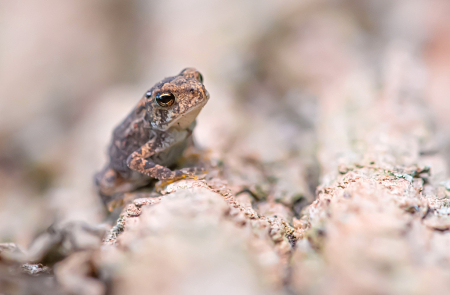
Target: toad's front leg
[{"x": 139, "y": 161}]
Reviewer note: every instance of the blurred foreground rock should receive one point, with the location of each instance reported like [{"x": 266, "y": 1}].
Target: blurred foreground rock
[{"x": 201, "y": 238}]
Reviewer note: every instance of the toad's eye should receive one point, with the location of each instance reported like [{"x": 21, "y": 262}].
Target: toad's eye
[
  {"x": 148, "y": 94},
  {"x": 200, "y": 77},
  {"x": 165, "y": 99}
]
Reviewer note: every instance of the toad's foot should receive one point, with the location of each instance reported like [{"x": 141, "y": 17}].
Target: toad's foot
[{"x": 194, "y": 173}]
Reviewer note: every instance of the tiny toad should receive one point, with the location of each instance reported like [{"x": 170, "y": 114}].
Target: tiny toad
[{"x": 154, "y": 135}]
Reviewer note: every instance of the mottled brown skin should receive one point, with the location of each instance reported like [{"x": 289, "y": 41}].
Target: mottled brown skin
[{"x": 153, "y": 136}]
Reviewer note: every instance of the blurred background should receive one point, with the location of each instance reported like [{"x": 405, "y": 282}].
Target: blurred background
[{"x": 71, "y": 70}]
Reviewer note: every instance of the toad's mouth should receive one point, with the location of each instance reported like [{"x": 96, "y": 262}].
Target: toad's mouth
[{"x": 184, "y": 121}]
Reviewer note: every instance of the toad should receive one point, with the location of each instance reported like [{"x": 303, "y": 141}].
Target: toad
[{"x": 154, "y": 136}]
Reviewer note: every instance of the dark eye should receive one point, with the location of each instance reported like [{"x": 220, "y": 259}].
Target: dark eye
[
  {"x": 148, "y": 94},
  {"x": 165, "y": 99},
  {"x": 200, "y": 77}
]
